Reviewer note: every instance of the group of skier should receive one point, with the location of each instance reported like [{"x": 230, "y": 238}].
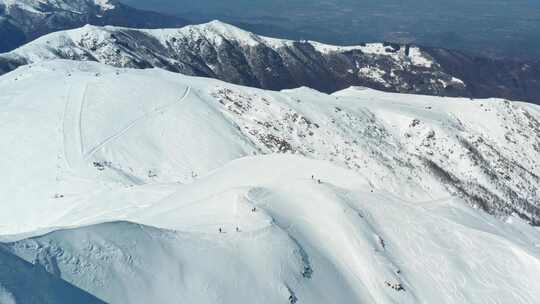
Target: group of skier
[
  {"x": 254, "y": 209},
  {"x": 223, "y": 231},
  {"x": 220, "y": 230}
]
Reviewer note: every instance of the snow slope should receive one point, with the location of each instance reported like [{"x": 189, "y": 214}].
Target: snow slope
[
  {"x": 131, "y": 174},
  {"x": 334, "y": 242},
  {"x": 102, "y": 131}
]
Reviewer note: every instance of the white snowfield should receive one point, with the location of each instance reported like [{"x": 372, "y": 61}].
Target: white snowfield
[{"x": 356, "y": 197}]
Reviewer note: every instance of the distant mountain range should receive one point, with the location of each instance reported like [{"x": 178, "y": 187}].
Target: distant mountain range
[
  {"x": 500, "y": 28},
  {"x": 226, "y": 52},
  {"x": 24, "y": 20}
]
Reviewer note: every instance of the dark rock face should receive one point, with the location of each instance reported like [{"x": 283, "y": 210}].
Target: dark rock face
[{"x": 21, "y": 24}]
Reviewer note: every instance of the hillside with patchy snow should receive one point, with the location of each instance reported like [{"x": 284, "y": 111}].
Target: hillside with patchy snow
[
  {"x": 147, "y": 186},
  {"x": 225, "y": 52}
]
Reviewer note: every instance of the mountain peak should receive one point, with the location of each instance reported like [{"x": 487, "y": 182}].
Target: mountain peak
[
  {"x": 219, "y": 23},
  {"x": 106, "y": 4},
  {"x": 226, "y": 31}
]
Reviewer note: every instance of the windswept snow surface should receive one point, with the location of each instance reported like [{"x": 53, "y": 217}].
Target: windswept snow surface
[{"x": 133, "y": 172}]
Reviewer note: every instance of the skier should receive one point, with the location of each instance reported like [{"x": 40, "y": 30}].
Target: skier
[
  {"x": 237, "y": 229},
  {"x": 220, "y": 230},
  {"x": 318, "y": 181},
  {"x": 254, "y": 209}
]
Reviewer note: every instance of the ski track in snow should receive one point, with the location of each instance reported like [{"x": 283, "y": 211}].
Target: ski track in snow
[
  {"x": 135, "y": 122},
  {"x": 72, "y": 123}
]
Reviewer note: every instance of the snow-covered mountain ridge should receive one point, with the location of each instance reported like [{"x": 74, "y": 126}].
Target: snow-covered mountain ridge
[
  {"x": 24, "y": 20},
  {"x": 39, "y": 6},
  {"x": 431, "y": 147},
  {"x": 225, "y": 52},
  {"x": 397, "y": 216}
]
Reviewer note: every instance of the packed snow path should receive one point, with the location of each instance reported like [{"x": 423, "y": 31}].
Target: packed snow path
[{"x": 72, "y": 129}]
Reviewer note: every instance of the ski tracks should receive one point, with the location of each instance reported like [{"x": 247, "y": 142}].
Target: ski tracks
[
  {"x": 135, "y": 122},
  {"x": 71, "y": 126}
]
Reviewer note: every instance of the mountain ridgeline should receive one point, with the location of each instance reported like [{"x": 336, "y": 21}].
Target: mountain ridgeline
[
  {"x": 225, "y": 52},
  {"x": 25, "y": 20}
]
